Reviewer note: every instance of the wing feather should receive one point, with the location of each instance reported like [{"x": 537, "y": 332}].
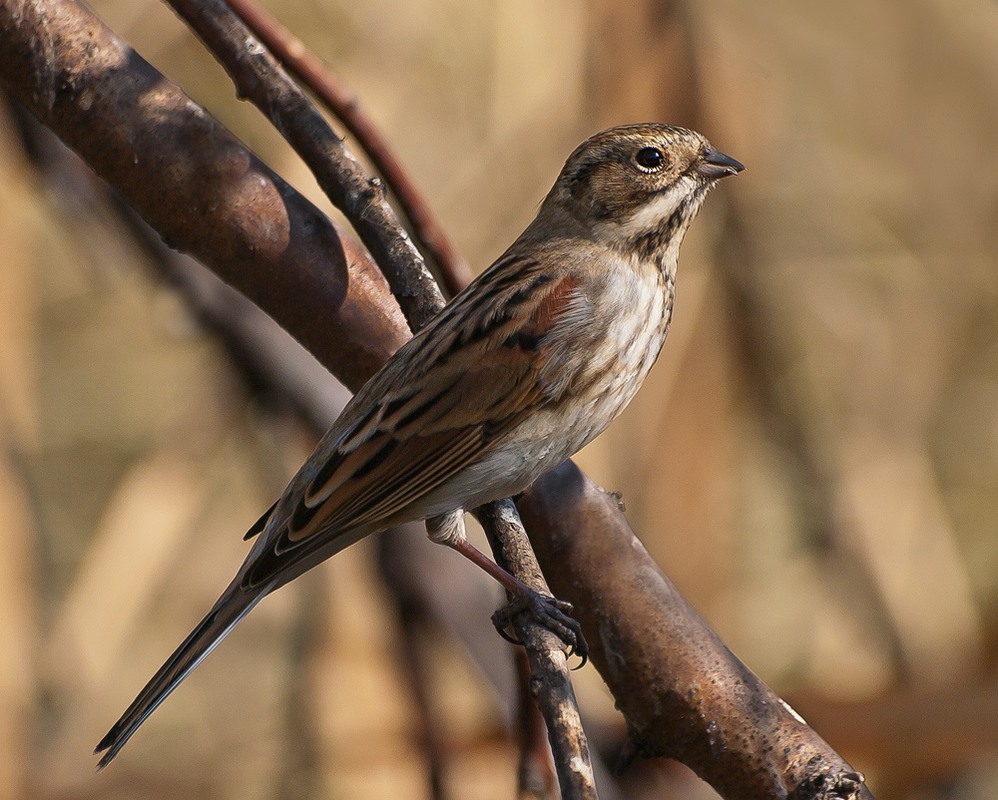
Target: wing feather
[{"x": 442, "y": 403}]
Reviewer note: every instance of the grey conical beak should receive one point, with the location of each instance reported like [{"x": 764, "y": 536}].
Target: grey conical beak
[{"x": 716, "y": 164}]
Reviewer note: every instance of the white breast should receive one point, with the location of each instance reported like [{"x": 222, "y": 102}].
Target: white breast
[{"x": 550, "y": 436}]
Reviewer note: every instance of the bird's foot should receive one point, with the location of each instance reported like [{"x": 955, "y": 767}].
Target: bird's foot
[{"x": 548, "y": 612}]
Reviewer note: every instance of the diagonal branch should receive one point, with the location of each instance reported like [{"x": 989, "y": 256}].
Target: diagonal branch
[
  {"x": 670, "y": 674},
  {"x": 197, "y": 185},
  {"x": 550, "y": 685},
  {"x": 262, "y": 81},
  {"x": 313, "y": 73}
]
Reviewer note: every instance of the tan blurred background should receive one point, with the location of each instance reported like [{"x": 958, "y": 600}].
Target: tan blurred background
[{"x": 814, "y": 460}]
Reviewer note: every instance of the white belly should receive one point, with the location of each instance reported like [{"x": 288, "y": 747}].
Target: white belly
[{"x": 547, "y": 438}]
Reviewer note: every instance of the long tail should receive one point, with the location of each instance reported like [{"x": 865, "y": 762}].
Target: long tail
[{"x": 231, "y": 607}]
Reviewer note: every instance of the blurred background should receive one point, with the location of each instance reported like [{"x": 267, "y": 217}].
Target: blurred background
[{"x": 814, "y": 461}]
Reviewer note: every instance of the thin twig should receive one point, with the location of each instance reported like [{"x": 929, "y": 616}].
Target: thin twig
[
  {"x": 429, "y": 234},
  {"x": 536, "y": 777},
  {"x": 550, "y": 684},
  {"x": 262, "y": 81},
  {"x": 535, "y": 774}
]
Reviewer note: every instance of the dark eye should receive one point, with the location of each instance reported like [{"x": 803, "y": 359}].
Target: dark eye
[{"x": 649, "y": 159}]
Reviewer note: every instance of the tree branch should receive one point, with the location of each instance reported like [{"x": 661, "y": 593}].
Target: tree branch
[
  {"x": 550, "y": 685},
  {"x": 262, "y": 81},
  {"x": 683, "y": 693},
  {"x": 341, "y": 101},
  {"x": 178, "y": 167},
  {"x": 535, "y": 774}
]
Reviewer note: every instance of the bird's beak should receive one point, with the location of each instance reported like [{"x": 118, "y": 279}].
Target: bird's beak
[{"x": 717, "y": 165}]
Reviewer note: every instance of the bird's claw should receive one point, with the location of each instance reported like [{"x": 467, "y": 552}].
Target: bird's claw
[{"x": 548, "y": 612}]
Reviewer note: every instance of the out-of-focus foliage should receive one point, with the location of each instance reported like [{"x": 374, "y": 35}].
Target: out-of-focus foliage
[{"x": 814, "y": 461}]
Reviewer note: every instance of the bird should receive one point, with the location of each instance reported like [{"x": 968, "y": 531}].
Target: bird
[{"x": 519, "y": 371}]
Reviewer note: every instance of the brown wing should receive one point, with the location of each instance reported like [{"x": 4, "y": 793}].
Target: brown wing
[{"x": 439, "y": 405}]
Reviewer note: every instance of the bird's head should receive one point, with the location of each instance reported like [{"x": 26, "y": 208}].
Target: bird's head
[{"x": 638, "y": 185}]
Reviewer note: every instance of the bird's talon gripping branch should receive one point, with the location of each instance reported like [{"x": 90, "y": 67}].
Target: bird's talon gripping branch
[
  {"x": 502, "y": 621},
  {"x": 550, "y": 613}
]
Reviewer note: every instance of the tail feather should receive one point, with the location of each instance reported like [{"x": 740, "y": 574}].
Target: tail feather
[{"x": 231, "y": 607}]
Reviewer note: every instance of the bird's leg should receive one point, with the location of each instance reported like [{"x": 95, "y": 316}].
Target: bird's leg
[{"x": 553, "y": 614}]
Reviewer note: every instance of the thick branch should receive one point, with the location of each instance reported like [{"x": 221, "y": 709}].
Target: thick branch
[
  {"x": 683, "y": 693},
  {"x": 179, "y": 168}
]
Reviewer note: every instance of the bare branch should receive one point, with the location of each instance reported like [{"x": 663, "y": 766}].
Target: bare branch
[
  {"x": 683, "y": 693},
  {"x": 178, "y": 167},
  {"x": 550, "y": 684},
  {"x": 260, "y": 79},
  {"x": 344, "y": 103},
  {"x": 535, "y": 775}
]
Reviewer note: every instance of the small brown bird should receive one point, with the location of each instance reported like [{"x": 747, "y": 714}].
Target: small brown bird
[{"x": 522, "y": 369}]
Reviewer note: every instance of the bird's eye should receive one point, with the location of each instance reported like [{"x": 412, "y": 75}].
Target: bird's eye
[{"x": 649, "y": 159}]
